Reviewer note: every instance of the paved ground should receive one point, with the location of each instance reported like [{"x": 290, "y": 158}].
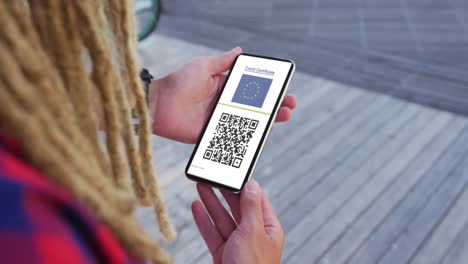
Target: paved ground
[
  {"x": 356, "y": 176},
  {"x": 412, "y": 49}
]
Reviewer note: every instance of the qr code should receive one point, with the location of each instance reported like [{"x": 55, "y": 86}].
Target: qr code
[{"x": 231, "y": 140}]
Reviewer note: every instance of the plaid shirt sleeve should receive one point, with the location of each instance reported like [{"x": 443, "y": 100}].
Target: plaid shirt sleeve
[{"x": 39, "y": 223}]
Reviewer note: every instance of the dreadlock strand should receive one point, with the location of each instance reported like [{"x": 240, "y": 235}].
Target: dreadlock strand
[
  {"x": 122, "y": 94},
  {"x": 45, "y": 104},
  {"x": 103, "y": 75},
  {"x": 145, "y": 134},
  {"x": 74, "y": 77},
  {"x": 30, "y": 126},
  {"x": 114, "y": 9},
  {"x": 44, "y": 156},
  {"x": 20, "y": 8},
  {"x": 57, "y": 100},
  {"x": 25, "y": 95},
  {"x": 115, "y": 14},
  {"x": 32, "y": 69},
  {"x": 78, "y": 82},
  {"x": 140, "y": 244},
  {"x": 81, "y": 76},
  {"x": 126, "y": 229},
  {"x": 138, "y": 182}
]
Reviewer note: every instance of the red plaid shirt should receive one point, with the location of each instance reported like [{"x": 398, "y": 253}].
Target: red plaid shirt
[{"x": 40, "y": 223}]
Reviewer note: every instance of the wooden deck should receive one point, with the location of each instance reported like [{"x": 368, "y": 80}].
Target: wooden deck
[
  {"x": 355, "y": 176},
  {"x": 412, "y": 49}
]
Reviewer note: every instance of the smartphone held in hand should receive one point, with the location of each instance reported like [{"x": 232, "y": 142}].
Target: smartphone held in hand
[{"x": 232, "y": 140}]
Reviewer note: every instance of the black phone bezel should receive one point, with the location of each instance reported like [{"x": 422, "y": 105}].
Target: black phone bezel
[{"x": 262, "y": 140}]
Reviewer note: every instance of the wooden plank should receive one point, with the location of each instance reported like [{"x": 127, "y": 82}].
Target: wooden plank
[
  {"x": 178, "y": 181},
  {"x": 341, "y": 173},
  {"x": 339, "y": 97},
  {"x": 168, "y": 177},
  {"x": 185, "y": 235},
  {"x": 429, "y": 218},
  {"x": 191, "y": 251},
  {"x": 443, "y": 236},
  {"x": 383, "y": 237},
  {"x": 323, "y": 132},
  {"x": 309, "y": 89},
  {"x": 395, "y": 193},
  {"x": 356, "y": 179},
  {"x": 334, "y": 226},
  {"x": 312, "y": 166},
  {"x": 318, "y": 100},
  {"x": 458, "y": 253},
  {"x": 169, "y": 158},
  {"x": 204, "y": 259}
]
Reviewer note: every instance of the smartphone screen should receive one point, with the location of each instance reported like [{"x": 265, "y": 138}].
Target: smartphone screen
[{"x": 232, "y": 140}]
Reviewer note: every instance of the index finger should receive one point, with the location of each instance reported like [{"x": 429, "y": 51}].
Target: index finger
[
  {"x": 233, "y": 201},
  {"x": 270, "y": 221},
  {"x": 289, "y": 101},
  {"x": 213, "y": 239}
]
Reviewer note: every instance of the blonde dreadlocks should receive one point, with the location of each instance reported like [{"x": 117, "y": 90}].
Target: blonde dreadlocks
[{"x": 50, "y": 102}]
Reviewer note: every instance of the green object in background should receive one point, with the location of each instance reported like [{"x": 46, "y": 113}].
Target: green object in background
[{"x": 147, "y": 13}]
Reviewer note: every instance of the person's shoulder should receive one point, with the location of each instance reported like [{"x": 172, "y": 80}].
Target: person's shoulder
[
  {"x": 41, "y": 223},
  {"x": 33, "y": 226}
]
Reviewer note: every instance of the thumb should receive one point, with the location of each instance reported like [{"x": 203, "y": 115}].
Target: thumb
[
  {"x": 251, "y": 206},
  {"x": 223, "y": 62}
]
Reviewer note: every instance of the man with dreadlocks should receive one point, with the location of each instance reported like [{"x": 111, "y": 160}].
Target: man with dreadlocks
[{"x": 69, "y": 69}]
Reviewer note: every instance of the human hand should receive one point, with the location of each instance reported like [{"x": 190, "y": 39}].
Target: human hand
[
  {"x": 253, "y": 236},
  {"x": 182, "y": 101}
]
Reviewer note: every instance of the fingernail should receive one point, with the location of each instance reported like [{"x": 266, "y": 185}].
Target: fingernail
[{"x": 251, "y": 187}]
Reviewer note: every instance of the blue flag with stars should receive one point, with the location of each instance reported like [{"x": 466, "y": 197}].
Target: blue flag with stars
[{"x": 252, "y": 90}]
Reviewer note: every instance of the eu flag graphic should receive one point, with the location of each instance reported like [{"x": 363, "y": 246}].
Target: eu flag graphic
[{"x": 252, "y": 90}]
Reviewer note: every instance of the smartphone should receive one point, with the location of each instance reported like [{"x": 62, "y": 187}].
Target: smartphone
[{"x": 234, "y": 135}]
